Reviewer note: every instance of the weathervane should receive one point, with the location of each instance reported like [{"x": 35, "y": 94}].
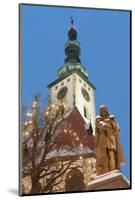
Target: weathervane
[{"x": 72, "y": 21}]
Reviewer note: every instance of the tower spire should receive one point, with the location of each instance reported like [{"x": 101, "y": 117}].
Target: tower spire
[
  {"x": 72, "y": 46},
  {"x": 72, "y": 21},
  {"x": 72, "y": 33}
]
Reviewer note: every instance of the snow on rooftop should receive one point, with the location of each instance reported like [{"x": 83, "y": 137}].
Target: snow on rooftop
[
  {"x": 87, "y": 125},
  {"x": 67, "y": 113},
  {"x": 68, "y": 152}
]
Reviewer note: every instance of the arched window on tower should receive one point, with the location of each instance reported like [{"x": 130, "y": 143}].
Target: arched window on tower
[{"x": 85, "y": 112}]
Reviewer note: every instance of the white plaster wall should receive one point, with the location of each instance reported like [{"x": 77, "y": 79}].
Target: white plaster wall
[
  {"x": 81, "y": 102},
  {"x": 74, "y": 87},
  {"x": 68, "y": 100}
]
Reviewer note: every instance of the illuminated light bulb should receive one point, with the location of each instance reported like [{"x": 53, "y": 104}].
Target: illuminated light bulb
[
  {"x": 81, "y": 145},
  {"x": 30, "y": 122},
  {"x": 69, "y": 176},
  {"x": 33, "y": 105},
  {"x": 74, "y": 134},
  {"x": 26, "y": 133},
  {"x": 53, "y": 105},
  {"x": 77, "y": 138},
  {"x": 70, "y": 131},
  {"x": 26, "y": 123},
  {"x": 65, "y": 130},
  {"x": 81, "y": 157},
  {"x": 28, "y": 114},
  {"x": 47, "y": 113}
]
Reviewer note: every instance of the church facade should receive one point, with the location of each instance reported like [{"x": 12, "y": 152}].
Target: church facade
[{"x": 77, "y": 128}]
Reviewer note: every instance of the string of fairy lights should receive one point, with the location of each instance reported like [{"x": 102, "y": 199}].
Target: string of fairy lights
[
  {"x": 28, "y": 125},
  {"x": 53, "y": 108},
  {"x": 49, "y": 113},
  {"x": 75, "y": 137}
]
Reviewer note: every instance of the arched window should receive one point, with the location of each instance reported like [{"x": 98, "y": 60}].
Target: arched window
[
  {"x": 85, "y": 112},
  {"x": 74, "y": 180}
]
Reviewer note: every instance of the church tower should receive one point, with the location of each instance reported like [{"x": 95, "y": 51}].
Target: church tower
[{"x": 73, "y": 87}]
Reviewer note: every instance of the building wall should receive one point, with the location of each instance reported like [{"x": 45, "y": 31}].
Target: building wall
[
  {"x": 74, "y": 83},
  {"x": 69, "y": 82},
  {"x": 81, "y": 102},
  {"x": 84, "y": 165}
]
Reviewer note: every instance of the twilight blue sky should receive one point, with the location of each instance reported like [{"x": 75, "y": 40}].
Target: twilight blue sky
[{"x": 104, "y": 36}]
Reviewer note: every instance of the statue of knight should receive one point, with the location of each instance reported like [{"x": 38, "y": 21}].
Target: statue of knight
[{"x": 108, "y": 147}]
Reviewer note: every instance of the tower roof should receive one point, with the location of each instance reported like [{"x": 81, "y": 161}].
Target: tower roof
[
  {"x": 72, "y": 33},
  {"x": 72, "y": 54},
  {"x": 72, "y": 46},
  {"x": 65, "y": 75}
]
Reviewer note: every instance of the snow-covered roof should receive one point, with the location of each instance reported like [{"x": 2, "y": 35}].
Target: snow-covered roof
[{"x": 72, "y": 137}]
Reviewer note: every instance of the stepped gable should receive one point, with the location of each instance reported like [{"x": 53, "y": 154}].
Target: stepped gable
[{"x": 72, "y": 139}]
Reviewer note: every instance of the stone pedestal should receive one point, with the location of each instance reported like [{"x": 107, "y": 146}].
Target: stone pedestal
[{"x": 111, "y": 180}]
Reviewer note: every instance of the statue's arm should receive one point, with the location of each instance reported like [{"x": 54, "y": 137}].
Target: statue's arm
[
  {"x": 97, "y": 137},
  {"x": 116, "y": 126}
]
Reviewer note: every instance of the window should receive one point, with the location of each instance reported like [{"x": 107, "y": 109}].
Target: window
[
  {"x": 84, "y": 85},
  {"x": 74, "y": 99},
  {"x": 56, "y": 87},
  {"x": 68, "y": 79},
  {"x": 62, "y": 83},
  {"x": 80, "y": 80},
  {"x": 85, "y": 112},
  {"x": 88, "y": 88}
]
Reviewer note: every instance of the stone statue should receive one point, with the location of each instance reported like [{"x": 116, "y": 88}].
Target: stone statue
[{"x": 108, "y": 148}]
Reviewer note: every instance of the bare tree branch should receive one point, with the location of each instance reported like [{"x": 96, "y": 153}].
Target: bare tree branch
[{"x": 40, "y": 142}]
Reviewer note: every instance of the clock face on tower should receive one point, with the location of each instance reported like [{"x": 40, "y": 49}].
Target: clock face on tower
[
  {"x": 85, "y": 94},
  {"x": 62, "y": 93}
]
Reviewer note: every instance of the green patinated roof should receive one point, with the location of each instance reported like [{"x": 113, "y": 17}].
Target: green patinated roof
[
  {"x": 72, "y": 42},
  {"x": 70, "y": 67},
  {"x": 68, "y": 74}
]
